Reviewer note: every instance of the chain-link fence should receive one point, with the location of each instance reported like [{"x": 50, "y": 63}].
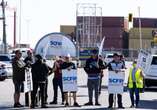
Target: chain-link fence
[{"x": 129, "y": 54}]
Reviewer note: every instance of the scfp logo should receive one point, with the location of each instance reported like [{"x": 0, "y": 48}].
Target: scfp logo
[
  {"x": 69, "y": 78},
  {"x": 55, "y": 43},
  {"x": 116, "y": 80}
]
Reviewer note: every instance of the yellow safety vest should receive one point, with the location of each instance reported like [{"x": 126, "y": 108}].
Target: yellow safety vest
[{"x": 138, "y": 78}]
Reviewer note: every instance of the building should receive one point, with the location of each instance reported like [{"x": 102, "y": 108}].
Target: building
[
  {"x": 148, "y": 26},
  {"x": 69, "y": 30}
]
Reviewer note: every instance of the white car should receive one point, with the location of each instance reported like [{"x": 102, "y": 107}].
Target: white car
[
  {"x": 6, "y": 60},
  {"x": 3, "y": 72},
  {"x": 108, "y": 57}
]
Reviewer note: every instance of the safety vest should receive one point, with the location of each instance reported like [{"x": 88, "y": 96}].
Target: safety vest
[{"x": 138, "y": 78}]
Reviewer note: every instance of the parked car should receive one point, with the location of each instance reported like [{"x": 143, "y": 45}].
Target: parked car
[
  {"x": 108, "y": 57},
  {"x": 6, "y": 60},
  {"x": 3, "y": 72}
]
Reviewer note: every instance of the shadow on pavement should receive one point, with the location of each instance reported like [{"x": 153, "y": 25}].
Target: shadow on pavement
[
  {"x": 102, "y": 108},
  {"x": 148, "y": 104},
  {"x": 12, "y": 108}
]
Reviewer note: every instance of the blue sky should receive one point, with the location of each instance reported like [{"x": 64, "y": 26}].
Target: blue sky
[{"x": 40, "y": 17}]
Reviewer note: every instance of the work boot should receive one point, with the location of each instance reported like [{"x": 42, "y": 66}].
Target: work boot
[
  {"x": 53, "y": 102},
  {"x": 88, "y": 103},
  {"x": 76, "y": 104}
]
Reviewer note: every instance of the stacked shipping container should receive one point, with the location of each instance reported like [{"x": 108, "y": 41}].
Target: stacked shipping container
[{"x": 112, "y": 29}]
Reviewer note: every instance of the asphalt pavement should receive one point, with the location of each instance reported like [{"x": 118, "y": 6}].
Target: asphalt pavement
[{"x": 148, "y": 98}]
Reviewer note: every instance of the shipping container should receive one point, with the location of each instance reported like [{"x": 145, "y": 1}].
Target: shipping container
[
  {"x": 145, "y": 22},
  {"x": 146, "y": 33},
  {"x": 113, "y": 43},
  {"x": 112, "y": 32},
  {"x": 113, "y": 21},
  {"x": 135, "y": 43}
]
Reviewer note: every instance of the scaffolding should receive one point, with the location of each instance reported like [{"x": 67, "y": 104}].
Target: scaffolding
[{"x": 88, "y": 25}]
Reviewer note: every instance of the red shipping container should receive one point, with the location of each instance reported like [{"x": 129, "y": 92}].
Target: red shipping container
[
  {"x": 113, "y": 43},
  {"x": 113, "y": 32},
  {"x": 113, "y": 21}
]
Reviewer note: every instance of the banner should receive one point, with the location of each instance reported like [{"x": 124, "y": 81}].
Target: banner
[
  {"x": 28, "y": 84},
  {"x": 115, "y": 82},
  {"x": 69, "y": 79}
]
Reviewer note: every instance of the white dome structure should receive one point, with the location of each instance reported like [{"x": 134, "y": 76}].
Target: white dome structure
[{"x": 55, "y": 44}]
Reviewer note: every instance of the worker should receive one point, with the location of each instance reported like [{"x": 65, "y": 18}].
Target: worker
[{"x": 135, "y": 83}]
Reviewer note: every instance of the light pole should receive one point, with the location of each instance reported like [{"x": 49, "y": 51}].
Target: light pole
[
  {"x": 20, "y": 22},
  {"x": 3, "y": 4},
  {"x": 140, "y": 32}
]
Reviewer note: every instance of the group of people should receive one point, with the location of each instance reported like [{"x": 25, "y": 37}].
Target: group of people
[
  {"x": 40, "y": 72},
  {"x": 94, "y": 67}
]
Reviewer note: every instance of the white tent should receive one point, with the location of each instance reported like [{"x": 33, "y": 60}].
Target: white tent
[{"x": 55, "y": 44}]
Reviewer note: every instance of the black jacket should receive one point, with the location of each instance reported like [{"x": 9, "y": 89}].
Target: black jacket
[
  {"x": 94, "y": 66},
  {"x": 39, "y": 71}
]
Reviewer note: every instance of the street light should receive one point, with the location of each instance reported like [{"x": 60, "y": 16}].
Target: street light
[{"x": 4, "y": 4}]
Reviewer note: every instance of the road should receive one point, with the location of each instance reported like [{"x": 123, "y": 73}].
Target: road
[{"x": 148, "y": 98}]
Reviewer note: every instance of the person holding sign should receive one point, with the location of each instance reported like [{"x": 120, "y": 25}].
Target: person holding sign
[
  {"x": 115, "y": 66},
  {"x": 29, "y": 61},
  {"x": 135, "y": 83},
  {"x": 93, "y": 68},
  {"x": 67, "y": 64}
]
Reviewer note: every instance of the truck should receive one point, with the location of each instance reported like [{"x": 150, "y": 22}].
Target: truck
[{"x": 148, "y": 63}]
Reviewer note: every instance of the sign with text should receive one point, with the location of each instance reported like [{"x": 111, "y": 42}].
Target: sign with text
[
  {"x": 143, "y": 59},
  {"x": 115, "y": 82},
  {"x": 69, "y": 79},
  {"x": 28, "y": 84}
]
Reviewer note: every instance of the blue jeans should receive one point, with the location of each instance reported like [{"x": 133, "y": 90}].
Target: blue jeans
[
  {"x": 135, "y": 91},
  {"x": 93, "y": 85}
]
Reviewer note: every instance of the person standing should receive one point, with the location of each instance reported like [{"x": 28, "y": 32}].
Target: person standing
[
  {"x": 116, "y": 65},
  {"x": 101, "y": 73},
  {"x": 57, "y": 80},
  {"x": 135, "y": 83},
  {"x": 39, "y": 76},
  {"x": 67, "y": 64},
  {"x": 29, "y": 61},
  {"x": 93, "y": 68},
  {"x": 18, "y": 76}
]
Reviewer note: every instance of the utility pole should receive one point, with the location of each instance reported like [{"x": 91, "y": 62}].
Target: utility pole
[
  {"x": 140, "y": 32},
  {"x": 14, "y": 29},
  {"x": 4, "y": 4}
]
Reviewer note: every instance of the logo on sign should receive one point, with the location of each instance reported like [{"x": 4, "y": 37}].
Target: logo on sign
[
  {"x": 116, "y": 81},
  {"x": 69, "y": 79},
  {"x": 55, "y": 43}
]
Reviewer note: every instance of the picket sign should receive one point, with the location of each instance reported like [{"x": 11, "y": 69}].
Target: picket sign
[
  {"x": 28, "y": 84},
  {"x": 115, "y": 82},
  {"x": 69, "y": 79}
]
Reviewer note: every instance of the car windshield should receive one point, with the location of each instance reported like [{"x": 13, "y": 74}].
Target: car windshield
[
  {"x": 4, "y": 58},
  {"x": 154, "y": 61},
  {"x": 110, "y": 56}
]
